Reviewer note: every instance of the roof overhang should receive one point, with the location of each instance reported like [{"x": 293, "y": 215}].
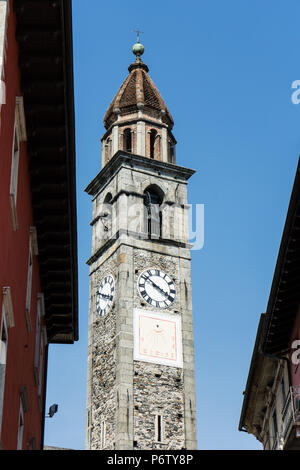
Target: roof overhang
[
  {"x": 260, "y": 376},
  {"x": 284, "y": 300},
  {"x": 44, "y": 35}
]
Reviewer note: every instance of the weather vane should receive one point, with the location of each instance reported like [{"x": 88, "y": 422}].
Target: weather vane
[{"x": 138, "y": 32}]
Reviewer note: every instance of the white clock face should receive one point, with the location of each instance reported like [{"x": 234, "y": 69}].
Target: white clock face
[
  {"x": 156, "y": 288},
  {"x": 105, "y": 295}
]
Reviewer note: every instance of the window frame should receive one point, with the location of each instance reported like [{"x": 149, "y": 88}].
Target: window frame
[
  {"x": 283, "y": 391},
  {"x": 20, "y": 427},
  {"x": 152, "y": 140},
  {"x": 108, "y": 148},
  {"x": 3, "y": 359},
  {"x": 37, "y": 340},
  {"x": 29, "y": 288},
  {"x": 102, "y": 434},
  {"x": 14, "y": 174},
  {"x": 153, "y": 214},
  {"x": 40, "y": 367},
  {"x": 127, "y": 136},
  {"x": 159, "y": 424},
  {"x": 19, "y": 135}
]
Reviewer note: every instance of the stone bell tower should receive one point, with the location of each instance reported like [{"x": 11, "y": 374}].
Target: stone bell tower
[{"x": 141, "y": 388}]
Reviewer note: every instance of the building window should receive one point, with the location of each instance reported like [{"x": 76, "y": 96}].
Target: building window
[
  {"x": 3, "y": 355},
  {"x": 159, "y": 428},
  {"x": 14, "y": 176},
  {"x": 43, "y": 342},
  {"x": 3, "y": 340},
  {"x": 103, "y": 435},
  {"x": 37, "y": 341},
  {"x": 20, "y": 427},
  {"x": 7, "y": 321},
  {"x": 108, "y": 150},
  {"x": 283, "y": 392},
  {"x": 105, "y": 217},
  {"x": 19, "y": 135},
  {"x": 28, "y": 291},
  {"x": 154, "y": 144},
  {"x": 171, "y": 152},
  {"x": 153, "y": 135},
  {"x": 34, "y": 241},
  {"x": 127, "y": 140},
  {"x": 8, "y": 307},
  {"x": 152, "y": 213},
  {"x": 108, "y": 198},
  {"x": 274, "y": 422}
]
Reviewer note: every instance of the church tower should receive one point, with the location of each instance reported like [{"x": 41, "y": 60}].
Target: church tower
[{"x": 141, "y": 385}]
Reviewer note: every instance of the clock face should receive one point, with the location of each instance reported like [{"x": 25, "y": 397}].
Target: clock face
[
  {"x": 105, "y": 295},
  {"x": 157, "y": 288}
]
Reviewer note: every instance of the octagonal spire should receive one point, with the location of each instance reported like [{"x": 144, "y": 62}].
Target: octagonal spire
[{"x": 138, "y": 93}]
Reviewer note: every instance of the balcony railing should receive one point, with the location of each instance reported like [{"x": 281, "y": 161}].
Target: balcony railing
[{"x": 290, "y": 414}]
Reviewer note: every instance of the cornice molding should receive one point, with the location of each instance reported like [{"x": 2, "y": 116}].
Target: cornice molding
[{"x": 136, "y": 161}]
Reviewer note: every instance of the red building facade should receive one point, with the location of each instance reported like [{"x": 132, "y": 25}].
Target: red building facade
[
  {"x": 38, "y": 260},
  {"x": 271, "y": 405}
]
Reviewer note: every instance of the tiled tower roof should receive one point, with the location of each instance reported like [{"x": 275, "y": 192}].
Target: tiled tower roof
[{"x": 138, "y": 92}]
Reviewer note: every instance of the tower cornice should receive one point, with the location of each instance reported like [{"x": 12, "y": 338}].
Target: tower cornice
[
  {"x": 123, "y": 237},
  {"x": 136, "y": 161}
]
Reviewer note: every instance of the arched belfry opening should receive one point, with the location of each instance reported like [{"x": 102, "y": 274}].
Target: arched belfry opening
[
  {"x": 153, "y": 134},
  {"x": 108, "y": 198},
  {"x": 105, "y": 215},
  {"x": 128, "y": 140},
  {"x": 171, "y": 151},
  {"x": 154, "y": 144},
  {"x": 153, "y": 199},
  {"x": 108, "y": 150}
]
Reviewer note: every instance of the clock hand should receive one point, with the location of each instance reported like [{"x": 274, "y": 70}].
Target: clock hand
[
  {"x": 106, "y": 296},
  {"x": 157, "y": 287}
]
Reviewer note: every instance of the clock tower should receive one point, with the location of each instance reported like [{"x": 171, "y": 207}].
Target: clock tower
[{"x": 141, "y": 386}]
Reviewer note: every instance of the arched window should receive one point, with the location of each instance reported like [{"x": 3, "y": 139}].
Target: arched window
[
  {"x": 108, "y": 198},
  {"x": 171, "y": 152},
  {"x": 153, "y": 135},
  {"x": 106, "y": 213},
  {"x": 127, "y": 140},
  {"x": 153, "y": 198},
  {"x": 108, "y": 150}
]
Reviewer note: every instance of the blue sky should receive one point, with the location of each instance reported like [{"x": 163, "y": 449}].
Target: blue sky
[{"x": 225, "y": 71}]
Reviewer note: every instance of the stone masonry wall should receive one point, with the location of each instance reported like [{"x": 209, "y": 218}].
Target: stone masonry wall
[
  {"x": 103, "y": 365},
  {"x": 158, "y": 389},
  {"x": 103, "y": 382}
]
